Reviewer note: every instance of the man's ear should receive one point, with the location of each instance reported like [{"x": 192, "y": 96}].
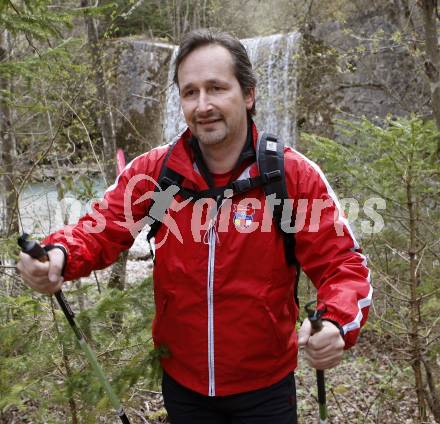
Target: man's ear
[{"x": 249, "y": 98}]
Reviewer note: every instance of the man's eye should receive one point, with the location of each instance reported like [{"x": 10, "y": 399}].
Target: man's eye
[{"x": 188, "y": 93}]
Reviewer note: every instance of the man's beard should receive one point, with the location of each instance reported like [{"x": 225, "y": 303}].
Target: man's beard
[
  {"x": 212, "y": 138},
  {"x": 215, "y": 136}
]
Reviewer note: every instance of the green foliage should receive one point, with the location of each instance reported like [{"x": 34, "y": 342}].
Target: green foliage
[
  {"x": 393, "y": 163},
  {"x": 35, "y": 349},
  {"x": 124, "y": 18},
  {"x": 9, "y": 247},
  {"x": 394, "y": 166},
  {"x": 43, "y": 79},
  {"x": 154, "y": 362},
  {"x": 86, "y": 190},
  {"x": 33, "y": 18},
  {"x": 383, "y": 161},
  {"x": 38, "y": 24}
]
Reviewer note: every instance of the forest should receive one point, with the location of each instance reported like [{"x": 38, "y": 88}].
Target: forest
[{"x": 85, "y": 88}]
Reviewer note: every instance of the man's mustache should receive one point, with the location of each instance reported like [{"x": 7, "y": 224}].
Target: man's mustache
[{"x": 204, "y": 118}]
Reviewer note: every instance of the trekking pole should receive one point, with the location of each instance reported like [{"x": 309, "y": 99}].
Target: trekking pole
[
  {"x": 316, "y": 322},
  {"x": 36, "y": 251}
]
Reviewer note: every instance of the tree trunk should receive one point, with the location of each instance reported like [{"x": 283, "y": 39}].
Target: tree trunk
[
  {"x": 432, "y": 63},
  {"x": 117, "y": 281},
  {"x": 433, "y": 396},
  {"x": 8, "y": 153},
  {"x": 414, "y": 334},
  {"x": 119, "y": 267},
  {"x": 105, "y": 117},
  {"x": 106, "y": 126},
  {"x": 177, "y": 17}
]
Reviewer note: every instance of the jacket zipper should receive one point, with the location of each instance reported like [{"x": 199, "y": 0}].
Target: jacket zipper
[
  {"x": 212, "y": 239},
  {"x": 210, "y": 293}
]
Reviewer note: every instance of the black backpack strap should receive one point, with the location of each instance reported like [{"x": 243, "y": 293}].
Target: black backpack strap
[
  {"x": 270, "y": 160},
  {"x": 237, "y": 187},
  {"x": 168, "y": 177}
]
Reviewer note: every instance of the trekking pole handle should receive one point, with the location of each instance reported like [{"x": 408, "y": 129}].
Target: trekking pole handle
[
  {"x": 316, "y": 321},
  {"x": 38, "y": 252},
  {"x": 314, "y": 316},
  {"x": 32, "y": 248}
]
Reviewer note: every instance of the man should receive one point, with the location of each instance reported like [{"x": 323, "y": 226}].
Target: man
[{"x": 224, "y": 295}]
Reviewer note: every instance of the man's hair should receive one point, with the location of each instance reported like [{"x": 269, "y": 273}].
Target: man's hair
[{"x": 242, "y": 65}]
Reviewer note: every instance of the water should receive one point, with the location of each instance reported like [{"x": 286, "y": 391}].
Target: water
[
  {"x": 274, "y": 59},
  {"x": 41, "y": 213},
  {"x": 174, "y": 121}
]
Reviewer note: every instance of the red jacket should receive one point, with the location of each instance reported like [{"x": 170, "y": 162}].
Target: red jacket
[{"x": 224, "y": 293}]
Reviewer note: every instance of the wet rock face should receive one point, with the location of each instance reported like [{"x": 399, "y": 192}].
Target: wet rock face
[
  {"x": 138, "y": 76},
  {"x": 359, "y": 68}
]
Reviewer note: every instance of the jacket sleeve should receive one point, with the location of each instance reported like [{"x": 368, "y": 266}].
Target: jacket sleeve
[
  {"x": 327, "y": 249},
  {"x": 98, "y": 238}
]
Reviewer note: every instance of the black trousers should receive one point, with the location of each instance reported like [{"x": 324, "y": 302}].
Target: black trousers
[{"x": 275, "y": 404}]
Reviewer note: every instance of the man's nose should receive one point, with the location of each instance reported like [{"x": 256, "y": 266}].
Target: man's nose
[{"x": 204, "y": 102}]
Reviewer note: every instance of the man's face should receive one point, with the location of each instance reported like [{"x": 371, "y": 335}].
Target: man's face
[{"x": 211, "y": 97}]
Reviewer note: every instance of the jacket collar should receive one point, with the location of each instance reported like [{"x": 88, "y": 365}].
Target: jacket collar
[{"x": 187, "y": 160}]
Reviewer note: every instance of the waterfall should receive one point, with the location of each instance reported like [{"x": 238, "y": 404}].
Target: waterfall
[
  {"x": 174, "y": 121},
  {"x": 274, "y": 59}
]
